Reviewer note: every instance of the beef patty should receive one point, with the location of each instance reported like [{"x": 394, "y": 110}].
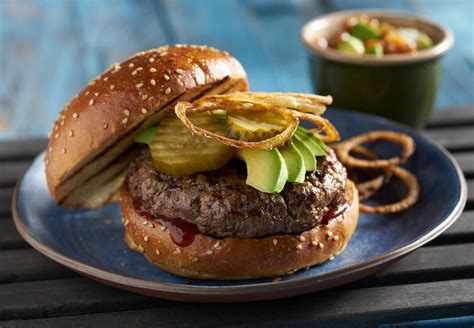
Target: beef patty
[{"x": 220, "y": 204}]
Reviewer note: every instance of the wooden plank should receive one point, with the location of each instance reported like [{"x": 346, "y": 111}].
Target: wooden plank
[
  {"x": 466, "y": 162},
  {"x": 452, "y": 117},
  {"x": 9, "y": 236},
  {"x": 470, "y": 194},
  {"x": 337, "y": 308},
  {"x": 464, "y": 225},
  {"x": 460, "y": 138},
  {"x": 21, "y": 149},
  {"x": 27, "y": 264},
  {"x": 462, "y": 231},
  {"x": 424, "y": 265},
  {"x": 427, "y": 264},
  {"x": 5, "y": 200},
  {"x": 11, "y": 171},
  {"x": 67, "y": 297}
]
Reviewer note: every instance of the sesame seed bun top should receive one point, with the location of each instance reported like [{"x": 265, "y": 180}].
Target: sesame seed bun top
[{"x": 90, "y": 136}]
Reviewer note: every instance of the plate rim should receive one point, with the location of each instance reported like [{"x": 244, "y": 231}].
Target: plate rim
[{"x": 259, "y": 291}]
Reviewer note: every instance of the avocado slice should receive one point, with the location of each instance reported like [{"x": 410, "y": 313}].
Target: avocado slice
[
  {"x": 309, "y": 159},
  {"x": 351, "y": 46},
  {"x": 365, "y": 31},
  {"x": 266, "y": 169},
  {"x": 294, "y": 163},
  {"x": 316, "y": 146},
  {"x": 146, "y": 136}
]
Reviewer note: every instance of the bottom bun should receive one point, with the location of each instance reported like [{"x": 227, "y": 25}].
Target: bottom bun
[{"x": 234, "y": 258}]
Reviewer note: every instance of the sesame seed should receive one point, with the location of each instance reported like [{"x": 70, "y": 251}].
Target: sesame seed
[
  {"x": 152, "y": 70},
  {"x": 168, "y": 90},
  {"x": 151, "y": 60},
  {"x": 139, "y": 85},
  {"x": 299, "y": 246},
  {"x": 331, "y": 258},
  {"x": 140, "y": 248},
  {"x": 112, "y": 87},
  {"x": 145, "y": 238},
  {"x": 179, "y": 71},
  {"x": 336, "y": 238},
  {"x": 145, "y": 222},
  {"x": 106, "y": 78},
  {"x": 164, "y": 53},
  {"x": 46, "y": 161},
  {"x": 50, "y": 149},
  {"x": 64, "y": 150},
  {"x": 321, "y": 245},
  {"x": 134, "y": 72},
  {"x": 96, "y": 94},
  {"x": 139, "y": 69},
  {"x": 217, "y": 245},
  {"x": 62, "y": 123},
  {"x": 277, "y": 279},
  {"x": 87, "y": 92},
  {"x": 194, "y": 259},
  {"x": 178, "y": 250},
  {"x": 56, "y": 127},
  {"x": 166, "y": 76},
  {"x": 71, "y": 133},
  {"x": 157, "y": 251},
  {"x": 144, "y": 97},
  {"x": 314, "y": 243},
  {"x": 153, "y": 82},
  {"x": 126, "y": 112},
  {"x": 144, "y": 111},
  {"x": 329, "y": 234},
  {"x": 302, "y": 238},
  {"x": 131, "y": 65},
  {"x": 152, "y": 225},
  {"x": 91, "y": 102},
  {"x": 163, "y": 228},
  {"x": 275, "y": 242},
  {"x": 209, "y": 252},
  {"x": 125, "y": 120},
  {"x": 126, "y": 222},
  {"x": 75, "y": 115},
  {"x": 106, "y": 125},
  {"x": 56, "y": 136}
]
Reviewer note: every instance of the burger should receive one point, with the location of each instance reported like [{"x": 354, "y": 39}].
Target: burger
[{"x": 214, "y": 181}]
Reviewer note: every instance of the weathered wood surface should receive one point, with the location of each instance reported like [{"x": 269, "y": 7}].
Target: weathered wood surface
[{"x": 50, "y": 49}]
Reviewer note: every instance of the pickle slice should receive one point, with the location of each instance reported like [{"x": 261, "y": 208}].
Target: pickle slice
[
  {"x": 176, "y": 152},
  {"x": 254, "y": 126}
]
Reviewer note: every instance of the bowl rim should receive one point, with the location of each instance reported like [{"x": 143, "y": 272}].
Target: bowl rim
[{"x": 332, "y": 54}]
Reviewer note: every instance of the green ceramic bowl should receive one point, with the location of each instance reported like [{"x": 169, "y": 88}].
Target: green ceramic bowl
[{"x": 401, "y": 87}]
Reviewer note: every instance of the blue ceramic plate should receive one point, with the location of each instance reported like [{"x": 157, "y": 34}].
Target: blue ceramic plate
[{"x": 91, "y": 242}]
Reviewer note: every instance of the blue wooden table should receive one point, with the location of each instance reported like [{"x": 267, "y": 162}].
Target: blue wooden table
[{"x": 50, "y": 48}]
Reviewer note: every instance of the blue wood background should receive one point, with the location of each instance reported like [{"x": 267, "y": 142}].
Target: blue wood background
[{"x": 49, "y": 48}]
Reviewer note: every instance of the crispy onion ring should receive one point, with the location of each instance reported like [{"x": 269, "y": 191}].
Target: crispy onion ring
[
  {"x": 183, "y": 108},
  {"x": 343, "y": 149},
  {"x": 368, "y": 188},
  {"x": 331, "y": 134},
  {"x": 213, "y": 102},
  {"x": 302, "y": 102},
  {"x": 410, "y": 199}
]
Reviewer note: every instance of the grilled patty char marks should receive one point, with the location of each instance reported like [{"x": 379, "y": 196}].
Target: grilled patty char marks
[{"x": 221, "y": 204}]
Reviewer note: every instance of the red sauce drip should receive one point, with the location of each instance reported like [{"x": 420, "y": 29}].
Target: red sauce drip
[
  {"x": 335, "y": 210},
  {"x": 182, "y": 233}
]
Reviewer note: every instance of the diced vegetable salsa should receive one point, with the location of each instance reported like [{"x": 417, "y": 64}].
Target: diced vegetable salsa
[{"x": 364, "y": 35}]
